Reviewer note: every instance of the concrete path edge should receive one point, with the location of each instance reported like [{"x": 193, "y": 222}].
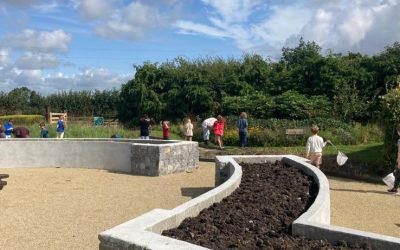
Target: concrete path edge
[{"x": 144, "y": 232}]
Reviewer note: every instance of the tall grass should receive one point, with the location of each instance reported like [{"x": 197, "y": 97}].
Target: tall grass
[{"x": 77, "y": 130}]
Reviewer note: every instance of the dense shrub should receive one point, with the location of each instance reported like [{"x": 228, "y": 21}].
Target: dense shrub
[
  {"x": 272, "y": 132},
  {"x": 390, "y": 118}
]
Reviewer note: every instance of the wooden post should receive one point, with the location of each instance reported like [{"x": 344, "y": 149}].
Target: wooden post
[{"x": 48, "y": 114}]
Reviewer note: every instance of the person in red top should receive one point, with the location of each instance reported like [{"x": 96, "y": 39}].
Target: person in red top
[
  {"x": 219, "y": 131},
  {"x": 165, "y": 129}
]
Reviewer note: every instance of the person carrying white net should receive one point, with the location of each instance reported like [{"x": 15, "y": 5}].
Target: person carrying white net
[
  {"x": 396, "y": 171},
  {"x": 314, "y": 146}
]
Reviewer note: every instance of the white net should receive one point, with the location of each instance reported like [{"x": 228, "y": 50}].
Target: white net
[
  {"x": 389, "y": 180},
  {"x": 341, "y": 158}
]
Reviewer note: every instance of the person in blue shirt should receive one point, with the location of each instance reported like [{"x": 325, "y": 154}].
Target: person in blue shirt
[
  {"x": 242, "y": 125},
  {"x": 44, "y": 132},
  {"x": 61, "y": 125},
  {"x": 8, "y": 128}
]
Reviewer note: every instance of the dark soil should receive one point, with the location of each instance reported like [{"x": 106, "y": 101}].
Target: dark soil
[{"x": 258, "y": 215}]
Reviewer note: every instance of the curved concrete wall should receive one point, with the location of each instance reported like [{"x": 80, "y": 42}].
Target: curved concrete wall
[
  {"x": 144, "y": 157},
  {"x": 144, "y": 231}
]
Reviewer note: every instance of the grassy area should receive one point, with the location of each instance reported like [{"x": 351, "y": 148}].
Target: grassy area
[
  {"x": 370, "y": 153},
  {"x": 88, "y": 131}
]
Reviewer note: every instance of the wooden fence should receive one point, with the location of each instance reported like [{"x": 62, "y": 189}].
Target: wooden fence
[{"x": 53, "y": 117}]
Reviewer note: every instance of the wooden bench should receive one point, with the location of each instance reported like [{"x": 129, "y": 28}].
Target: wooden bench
[
  {"x": 3, "y": 183},
  {"x": 295, "y": 131}
]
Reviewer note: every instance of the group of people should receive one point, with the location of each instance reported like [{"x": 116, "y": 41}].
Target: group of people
[
  {"x": 217, "y": 125},
  {"x": 7, "y": 130},
  {"x": 145, "y": 126}
]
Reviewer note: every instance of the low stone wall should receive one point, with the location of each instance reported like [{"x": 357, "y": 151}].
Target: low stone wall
[
  {"x": 143, "y": 157},
  {"x": 144, "y": 231}
]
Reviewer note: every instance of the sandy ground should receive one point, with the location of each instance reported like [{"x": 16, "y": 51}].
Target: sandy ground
[
  {"x": 364, "y": 206},
  {"x": 59, "y": 208}
]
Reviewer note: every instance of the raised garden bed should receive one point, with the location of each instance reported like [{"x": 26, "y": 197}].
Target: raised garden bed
[{"x": 258, "y": 215}]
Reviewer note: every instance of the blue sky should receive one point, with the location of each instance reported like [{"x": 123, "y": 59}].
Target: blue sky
[{"x": 52, "y": 45}]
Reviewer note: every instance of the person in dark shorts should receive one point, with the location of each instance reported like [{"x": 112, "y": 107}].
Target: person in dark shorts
[
  {"x": 396, "y": 171},
  {"x": 44, "y": 132},
  {"x": 144, "y": 124}
]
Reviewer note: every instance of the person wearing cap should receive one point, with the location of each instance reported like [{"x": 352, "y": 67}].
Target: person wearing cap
[{"x": 314, "y": 147}]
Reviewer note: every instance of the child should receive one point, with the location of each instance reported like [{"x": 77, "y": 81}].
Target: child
[
  {"x": 314, "y": 146},
  {"x": 219, "y": 131},
  {"x": 396, "y": 171},
  {"x": 242, "y": 125},
  {"x": 61, "y": 125},
  {"x": 165, "y": 129},
  {"x": 189, "y": 130},
  {"x": 8, "y": 128},
  {"x": 44, "y": 132}
]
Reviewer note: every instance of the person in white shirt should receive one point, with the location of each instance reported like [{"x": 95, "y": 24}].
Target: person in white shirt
[
  {"x": 206, "y": 125},
  {"x": 314, "y": 146}
]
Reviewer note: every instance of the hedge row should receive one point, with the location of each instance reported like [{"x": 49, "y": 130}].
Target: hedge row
[{"x": 23, "y": 119}]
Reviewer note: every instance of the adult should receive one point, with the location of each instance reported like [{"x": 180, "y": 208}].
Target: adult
[
  {"x": 219, "y": 131},
  {"x": 396, "y": 171},
  {"x": 144, "y": 124},
  {"x": 21, "y": 132},
  {"x": 8, "y": 128},
  {"x": 242, "y": 125},
  {"x": 61, "y": 126},
  {"x": 206, "y": 125}
]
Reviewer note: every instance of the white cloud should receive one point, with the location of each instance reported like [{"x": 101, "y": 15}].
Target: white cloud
[
  {"x": 233, "y": 11},
  {"x": 37, "y": 61},
  {"x": 283, "y": 23},
  {"x": 4, "y": 57},
  {"x": 131, "y": 22},
  {"x": 44, "y": 41},
  {"x": 188, "y": 27},
  {"x": 96, "y": 9},
  {"x": 360, "y": 26},
  {"x": 86, "y": 79}
]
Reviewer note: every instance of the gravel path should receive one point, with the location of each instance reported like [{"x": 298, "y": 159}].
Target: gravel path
[
  {"x": 364, "y": 206},
  {"x": 61, "y": 208},
  {"x": 58, "y": 208}
]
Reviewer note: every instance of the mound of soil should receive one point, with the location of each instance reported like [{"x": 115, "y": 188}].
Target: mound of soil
[{"x": 258, "y": 215}]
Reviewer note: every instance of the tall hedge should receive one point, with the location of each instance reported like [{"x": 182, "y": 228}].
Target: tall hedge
[
  {"x": 390, "y": 118},
  {"x": 23, "y": 119}
]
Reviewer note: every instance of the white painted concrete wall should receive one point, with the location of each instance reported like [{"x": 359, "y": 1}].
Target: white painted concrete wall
[{"x": 98, "y": 154}]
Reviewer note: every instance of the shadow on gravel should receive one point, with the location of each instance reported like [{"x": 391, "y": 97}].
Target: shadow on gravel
[
  {"x": 194, "y": 192},
  {"x": 358, "y": 191}
]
